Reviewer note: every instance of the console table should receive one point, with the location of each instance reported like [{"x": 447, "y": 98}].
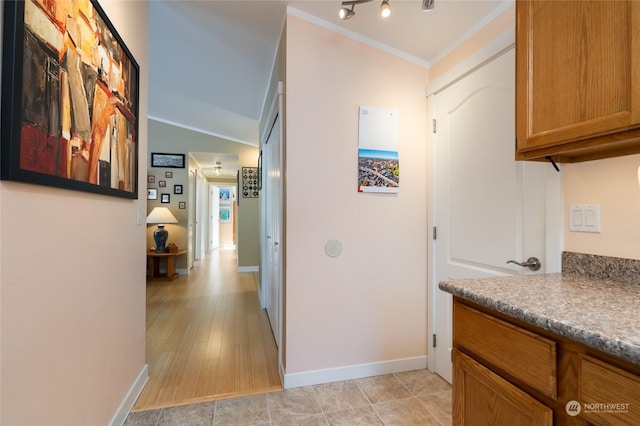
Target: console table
[{"x": 153, "y": 265}]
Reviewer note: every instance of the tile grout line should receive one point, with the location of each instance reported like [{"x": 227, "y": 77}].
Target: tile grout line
[
  {"x": 370, "y": 403},
  {"x": 159, "y": 417},
  {"x": 404, "y": 386},
  {"x": 266, "y": 400},
  {"x": 215, "y": 408},
  {"x": 324, "y": 415}
]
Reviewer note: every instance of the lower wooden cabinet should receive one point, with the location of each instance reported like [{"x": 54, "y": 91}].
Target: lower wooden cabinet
[
  {"x": 609, "y": 395},
  {"x": 481, "y": 397},
  {"x": 506, "y": 372}
]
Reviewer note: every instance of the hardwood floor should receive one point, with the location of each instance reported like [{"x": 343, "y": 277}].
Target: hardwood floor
[{"x": 207, "y": 337}]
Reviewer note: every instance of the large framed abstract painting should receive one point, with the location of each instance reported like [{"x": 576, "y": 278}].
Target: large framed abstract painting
[{"x": 69, "y": 99}]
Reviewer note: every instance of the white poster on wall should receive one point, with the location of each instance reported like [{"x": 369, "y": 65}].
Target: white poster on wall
[{"x": 378, "y": 162}]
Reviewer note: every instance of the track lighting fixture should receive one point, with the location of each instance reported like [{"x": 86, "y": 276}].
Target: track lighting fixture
[
  {"x": 345, "y": 13},
  {"x": 385, "y": 9},
  {"x": 428, "y": 5}
]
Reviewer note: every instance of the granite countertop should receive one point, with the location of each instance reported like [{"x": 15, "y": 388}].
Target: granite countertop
[{"x": 601, "y": 314}]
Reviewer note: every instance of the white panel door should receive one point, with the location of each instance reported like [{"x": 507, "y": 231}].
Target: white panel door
[
  {"x": 214, "y": 217},
  {"x": 487, "y": 208},
  {"x": 272, "y": 191},
  {"x": 192, "y": 217}
]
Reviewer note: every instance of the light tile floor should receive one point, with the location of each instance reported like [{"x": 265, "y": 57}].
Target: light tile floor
[{"x": 403, "y": 399}]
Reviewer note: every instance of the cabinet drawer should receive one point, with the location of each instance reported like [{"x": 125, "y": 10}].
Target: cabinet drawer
[
  {"x": 513, "y": 351},
  {"x": 608, "y": 394},
  {"x": 481, "y": 397}
]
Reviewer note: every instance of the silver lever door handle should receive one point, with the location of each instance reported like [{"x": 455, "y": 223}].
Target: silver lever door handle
[{"x": 532, "y": 263}]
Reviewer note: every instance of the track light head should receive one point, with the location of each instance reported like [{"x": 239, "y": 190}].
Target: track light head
[
  {"x": 385, "y": 9},
  {"x": 428, "y": 5},
  {"x": 345, "y": 13}
]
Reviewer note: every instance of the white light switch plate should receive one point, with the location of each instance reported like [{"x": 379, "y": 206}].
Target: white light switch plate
[{"x": 584, "y": 218}]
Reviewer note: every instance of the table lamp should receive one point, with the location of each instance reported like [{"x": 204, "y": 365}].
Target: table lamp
[{"x": 160, "y": 216}]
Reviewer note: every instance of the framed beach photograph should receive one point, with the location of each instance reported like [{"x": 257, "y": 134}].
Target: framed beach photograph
[
  {"x": 152, "y": 194},
  {"x": 70, "y": 99},
  {"x": 165, "y": 198},
  {"x": 175, "y": 161}
]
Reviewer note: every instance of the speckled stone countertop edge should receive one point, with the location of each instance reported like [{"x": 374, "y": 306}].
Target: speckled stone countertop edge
[{"x": 622, "y": 349}]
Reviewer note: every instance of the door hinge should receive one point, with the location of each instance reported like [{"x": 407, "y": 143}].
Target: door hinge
[
  {"x": 435, "y": 233},
  {"x": 434, "y": 125},
  {"x": 434, "y": 340}
]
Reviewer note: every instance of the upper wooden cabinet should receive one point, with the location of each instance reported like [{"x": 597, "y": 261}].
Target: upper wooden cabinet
[{"x": 577, "y": 79}]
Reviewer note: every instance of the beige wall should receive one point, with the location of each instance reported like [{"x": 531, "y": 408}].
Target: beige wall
[
  {"x": 502, "y": 23},
  {"x": 162, "y": 138},
  {"x": 370, "y": 304},
  {"x": 612, "y": 183},
  {"x": 72, "y": 321}
]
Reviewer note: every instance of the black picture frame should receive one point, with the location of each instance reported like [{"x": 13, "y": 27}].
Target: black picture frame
[
  {"x": 67, "y": 121},
  {"x": 177, "y": 189},
  {"x": 165, "y": 198},
  {"x": 250, "y": 182},
  {"x": 161, "y": 159}
]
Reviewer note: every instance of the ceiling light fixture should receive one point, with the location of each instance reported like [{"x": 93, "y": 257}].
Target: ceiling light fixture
[
  {"x": 428, "y": 5},
  {"x": 385, "y": 9},
  {"x": 347, "y": 10},
  {"x": 345, "y": 13}
]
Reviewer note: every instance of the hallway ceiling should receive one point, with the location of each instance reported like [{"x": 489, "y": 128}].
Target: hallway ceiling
[{"x": 210, "y": 61}]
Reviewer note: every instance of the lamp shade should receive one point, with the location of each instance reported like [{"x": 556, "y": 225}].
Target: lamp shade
[{"x": 161, "y": 215}]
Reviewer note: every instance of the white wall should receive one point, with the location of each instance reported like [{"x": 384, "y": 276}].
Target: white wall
[
  {"x": 370, "y": 304},
  {"x": 72, "y": 279}
]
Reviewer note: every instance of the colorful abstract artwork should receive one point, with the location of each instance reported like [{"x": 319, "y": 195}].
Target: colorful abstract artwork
[{"x": 69, "y": 99}]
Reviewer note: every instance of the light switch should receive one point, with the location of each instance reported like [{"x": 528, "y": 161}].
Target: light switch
[
  {"x": 576, "y": 217},
  {"x": 584, "y": 218}
]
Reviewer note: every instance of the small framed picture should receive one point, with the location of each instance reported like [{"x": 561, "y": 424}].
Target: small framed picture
[
  {"x": 175, "y": 161},
  {"x": 225, "y": 214},
  {"x": 168, "y": 175},
  {"x": 177, "y": 189},
  {"x": 152, "y": 194},
  {"x": 162, "y": 183},
  {"x": 182, "y": 204},
  {"x": 165, "y": 198},
  {"x": 151, "y": 179}
]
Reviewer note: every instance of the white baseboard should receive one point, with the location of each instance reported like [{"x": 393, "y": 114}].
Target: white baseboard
[
  {"x": 248, "y": 269},
  {"x": 317, "y": 377},
  {"x": 131, "y": 397}
]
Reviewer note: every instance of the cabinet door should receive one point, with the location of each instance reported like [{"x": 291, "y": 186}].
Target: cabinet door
[
  {"x": 481, "y": 397},
  {"x": 577, "y": 73}
]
